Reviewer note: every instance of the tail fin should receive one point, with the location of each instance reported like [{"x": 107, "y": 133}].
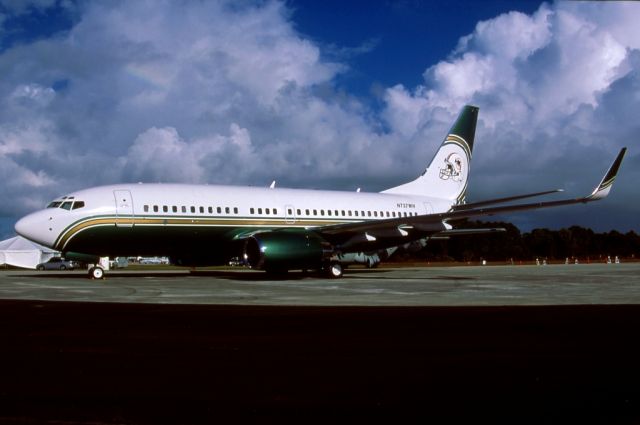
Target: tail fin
[{"x": 448, "y": 173}]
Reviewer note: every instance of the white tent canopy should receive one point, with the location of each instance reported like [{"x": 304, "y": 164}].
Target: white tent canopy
[{"x": 21, "y": 252}]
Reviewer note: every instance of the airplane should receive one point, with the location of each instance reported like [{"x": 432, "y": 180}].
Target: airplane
[{"x": 276, "y": 229}]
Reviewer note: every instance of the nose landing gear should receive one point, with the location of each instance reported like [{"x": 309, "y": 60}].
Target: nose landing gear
[{"x": 96, "y": 272}]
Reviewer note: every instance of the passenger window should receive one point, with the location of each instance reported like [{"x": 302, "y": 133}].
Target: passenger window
[
  {"x": 210, "y": 210},
  {"x": 184, "y": 209},
  {"x": 356, "y": 212},
  {"x": 227, "y": 210},
  {"x": 289, "y": 211},
  {"x": 336, "y": 213},
  {"x": 321, "y": 212},
  {"x": 78, "y": 204},
  {"x": 266, "y": 210},
  {"x": 251, "y": 211},
  {"x": 235, "y": 210},
  {"x": 315, "y": 212},
  {"x": 219, "y": 210},
  {"x": 375, "y": 213},
  {"x": 155, "y": 208},
  {"x": 165, "y": 208},
  {"x": 306, "y": 212},
  {"x": 343, "y": 214},
  {"x": 193, "y": 209},
  {"x": 259, "y": 210},
  {"x": 298, "y": 212},
  {"x": 349, "y": 213},
  {"x": 369, "y": 213},
  {"x": 201, "y": 210},
  {"x": 328, "y": 212},
  {"x": 174, "y": 209},
  {"x": 146, "y": 208},
  {"x": 275, "y": 211}
]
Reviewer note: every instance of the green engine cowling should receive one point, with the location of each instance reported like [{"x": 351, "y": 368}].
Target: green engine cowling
[{"x": 287, "y": 249}]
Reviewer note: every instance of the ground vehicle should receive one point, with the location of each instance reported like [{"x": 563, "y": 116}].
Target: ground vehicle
[{"x": 56, "y": 263}]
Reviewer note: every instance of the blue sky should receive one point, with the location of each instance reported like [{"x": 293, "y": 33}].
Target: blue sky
[
  {"x": 319, "y": 95},
  {"x": 388, "y": 32}
]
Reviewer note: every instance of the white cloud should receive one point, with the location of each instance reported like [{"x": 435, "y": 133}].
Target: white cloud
[
  {"x": 161, "y": 155},
  {"x": 497, "y": 36}
]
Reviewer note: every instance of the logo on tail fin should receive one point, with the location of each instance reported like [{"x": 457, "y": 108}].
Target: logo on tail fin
[{"x": 452, "y": 168}]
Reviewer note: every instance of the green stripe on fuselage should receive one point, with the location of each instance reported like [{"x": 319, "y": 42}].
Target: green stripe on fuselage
[{"x": 186, "y": 224}]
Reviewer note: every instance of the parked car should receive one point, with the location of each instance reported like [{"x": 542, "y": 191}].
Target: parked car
[{"x": 56, "y": 263}]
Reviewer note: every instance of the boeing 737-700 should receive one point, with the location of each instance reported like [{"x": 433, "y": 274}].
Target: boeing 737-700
[{"x": 275, "y": 229}]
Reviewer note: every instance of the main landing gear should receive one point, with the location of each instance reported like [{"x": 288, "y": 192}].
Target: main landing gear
[{"x": 334, "y": 270}]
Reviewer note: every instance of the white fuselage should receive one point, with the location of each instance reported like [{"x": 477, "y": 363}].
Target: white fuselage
[{"x": 185, "y": 208}]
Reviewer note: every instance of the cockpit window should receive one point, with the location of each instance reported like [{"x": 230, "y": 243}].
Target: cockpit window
[
  {"x": 54, "y": 204},
  {"x": 78, "y": 204},
  {"x": 66, "y": 205}
]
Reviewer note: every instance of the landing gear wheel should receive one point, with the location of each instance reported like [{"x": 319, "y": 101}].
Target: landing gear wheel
[
  {"x": 96, "y": 273},
  {"x": 334, "y": 270}
]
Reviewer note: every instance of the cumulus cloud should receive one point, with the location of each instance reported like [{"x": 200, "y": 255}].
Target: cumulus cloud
[
  {"x": 160, "y": 154},
  {"x": 219, "y": 92}
]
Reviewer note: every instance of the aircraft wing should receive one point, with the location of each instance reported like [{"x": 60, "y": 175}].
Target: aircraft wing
[
  {"x": 503, "y": 200},
  {"x": 434, "y": 224}
]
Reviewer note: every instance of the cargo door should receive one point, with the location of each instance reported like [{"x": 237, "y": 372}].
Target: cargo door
[{"x": 124, "y": 208}]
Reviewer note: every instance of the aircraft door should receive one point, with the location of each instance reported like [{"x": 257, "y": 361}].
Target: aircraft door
[
  {"x": 289, "y": 214},
  {"x": 124, "y": 208}
]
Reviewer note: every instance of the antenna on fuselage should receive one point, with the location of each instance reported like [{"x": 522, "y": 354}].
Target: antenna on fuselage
[{"x": 273, "y": 185}]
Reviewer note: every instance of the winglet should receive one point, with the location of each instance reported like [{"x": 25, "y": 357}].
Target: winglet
[{"x": 602, "y": 190}]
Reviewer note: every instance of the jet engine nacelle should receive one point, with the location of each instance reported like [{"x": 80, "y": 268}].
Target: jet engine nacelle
[{"x": 285, "y": 250}]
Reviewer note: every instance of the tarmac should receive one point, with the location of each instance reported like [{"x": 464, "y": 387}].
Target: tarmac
[
  {"x": 426, "y": 286},
  {"x": 550, "y": 344}
]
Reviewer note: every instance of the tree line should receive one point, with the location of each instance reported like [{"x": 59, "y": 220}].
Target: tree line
[{"x": 553, "y": 245}]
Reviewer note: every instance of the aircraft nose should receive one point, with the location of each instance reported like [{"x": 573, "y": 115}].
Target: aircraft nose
[
  {"x": 22, "y": 227},
  {"x": 34, "y": 228}
]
